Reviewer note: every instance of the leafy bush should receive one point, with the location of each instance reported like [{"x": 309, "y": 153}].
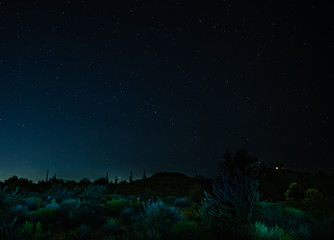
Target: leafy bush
[
  {"x": 33, "y": 203},
  {"x": 53, "y": 205},
  {"x": 93, "y": 193},
  {"x": 8, "y": 199},
  {"x": 267, "y": 233},
  {"x": 234, "y": 198},
  {"x": 58, "y": 193},
  {"x": 110, "y": 226},
  {"x": 131, "y": 214},
  {"x": 70, "y": 204},
  {"x": 294, "y": 194},
  {"x": 293, "y": 221},
  {"x": 19, "y": 211},
  {"x": 85, "y": 212},
  {"x": 8, "y": 230},
  {"x": 157, "y": 218},
  {"x": 115, "y": 206},
  {"x": 43, "y": 215},
  {"x": 28, "y": 232}
]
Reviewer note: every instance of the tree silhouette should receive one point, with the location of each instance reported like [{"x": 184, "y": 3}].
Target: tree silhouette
[{"x": 241, "y": 161}]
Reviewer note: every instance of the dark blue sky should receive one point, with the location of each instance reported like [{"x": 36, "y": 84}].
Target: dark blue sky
[{"x": 90, "y": 87}]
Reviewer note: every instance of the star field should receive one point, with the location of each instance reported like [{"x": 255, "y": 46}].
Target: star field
[{"x": 119, "y": 86}]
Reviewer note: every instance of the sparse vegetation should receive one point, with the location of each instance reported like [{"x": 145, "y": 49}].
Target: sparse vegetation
[{"x": 174, "y": 207}]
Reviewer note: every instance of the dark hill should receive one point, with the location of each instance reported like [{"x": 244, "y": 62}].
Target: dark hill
[{"x": 164, "y": 184}]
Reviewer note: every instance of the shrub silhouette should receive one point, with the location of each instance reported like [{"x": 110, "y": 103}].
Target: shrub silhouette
[
  {"x": 294, "y": 194},
  {"x": 235, "y": 193}
]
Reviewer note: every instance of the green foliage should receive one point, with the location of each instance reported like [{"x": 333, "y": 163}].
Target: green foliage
[
  {"x": 28, "y": 232},
  {"x": 292, "y": 221},
  {"x": 131, "y": 215},
  {"x": 115, "y": 206},
  {"x": 318, "y": 204},
  {"x": 33, "y": 203},
  {"x": 53, "y": 205},
  {"x": 263, "y": 232},
  {"x": 294, "y": 194},
  {"x": 85, "y": 212},
  {"x": 43, "y": 215},
  {"x": 8, "y": 199},
  {"x": 157, "y": 219},
  {"x": 94, "y": 193},
  {"x": 19, "y": 210},
  {"x": 8, "y": 231},
  {"x": 110, "y": 226}
]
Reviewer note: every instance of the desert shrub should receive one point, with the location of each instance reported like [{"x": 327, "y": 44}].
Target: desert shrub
[
  {"x": 33, "y": 203},
  {"x": 94, "y": 193},
  {"x": 131, "y": 215},
  {"x": 85, "y": 212},
  {"x": 83, "y": 232},
  {"x": 53, "y": 205},
  {"x": 58, "y": 192},
  {"x": 8, "y": 229},
  {"x": 312, "y": 198},
  {"x": 115, "y": 206},
  {"x": 291, "y": 220},
  {"x": 28, "y": 232},
  {"x": 263, "y": 232},
  {"x": 182, "y": 202},
  {"x": 110, "y": 226},
  {"x": 70, "y": 204},
  {"x": 8, "y": 199},
  {"x": 43, "y": 215},
  {"x": 294, "y": 194},
  {"x": 318, "y": 204},
  {"x": 19, "y": 210},
  {"x": 233, "y": 200},
  {"x": 157, "y": 218}
]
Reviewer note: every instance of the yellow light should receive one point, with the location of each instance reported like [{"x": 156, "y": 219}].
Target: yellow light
[{"x": 276, "y": 168}]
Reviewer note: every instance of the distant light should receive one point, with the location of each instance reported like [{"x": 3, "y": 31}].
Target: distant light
[{"x": 276, "y": 168}]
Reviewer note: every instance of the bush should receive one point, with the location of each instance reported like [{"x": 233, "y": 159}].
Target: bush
[
  {"x": 267, "y": 233},
  {"x": 294, "y": 194},
  {"x": 157, "y": 218},
  {"x": 33, "y": 203},
  {"x": 115, "y": 206},
  {"x": 58, "y": 193},
  {"x": 130, "y": 215},
  {"x": 8, "y": 229},
  {"x": 28, "y": 232},
  {"x": 234, "y": 198},
  {"x": 53, "y": 205},
  {"x": 19, "y": 211},
  {"x": 8, "y": 199},
  {"x": 317, "y": 203},
  {"x": 110, "y": 226},
  {"x": 94, "y": 193},
  {"x": 292, "y": 221}
]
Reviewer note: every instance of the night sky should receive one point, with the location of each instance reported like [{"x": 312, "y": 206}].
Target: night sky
[{"x": 88, "y": 87}]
